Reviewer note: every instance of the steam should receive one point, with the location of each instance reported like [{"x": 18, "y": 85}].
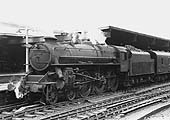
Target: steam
[
  {"x": 17, "y": 91},
  {"x": 15, "y": 85}
]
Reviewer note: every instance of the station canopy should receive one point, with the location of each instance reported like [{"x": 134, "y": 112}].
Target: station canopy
[
  {"x": 11, "y": 33},
  {"x": 118, "y": 36},
  {"x": 11, "y": 38}
]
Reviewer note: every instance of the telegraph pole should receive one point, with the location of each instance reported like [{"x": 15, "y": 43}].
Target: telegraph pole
[{"x": 27, "y": 50}]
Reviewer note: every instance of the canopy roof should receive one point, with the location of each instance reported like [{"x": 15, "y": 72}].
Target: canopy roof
[
  {"x": 12, "y": 38},
  {"x": 118, "y": 36}
]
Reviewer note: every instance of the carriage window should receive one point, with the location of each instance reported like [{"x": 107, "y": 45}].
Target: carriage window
[
  {"x": 123, "y": 56},
  {"x": 162, "y": 61}
]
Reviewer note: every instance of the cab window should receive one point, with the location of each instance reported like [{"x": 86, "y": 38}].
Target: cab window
[{"x": 168, "y": 60}]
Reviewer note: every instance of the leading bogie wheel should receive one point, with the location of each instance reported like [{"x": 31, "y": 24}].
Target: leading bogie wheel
[{"x": 51, "y": 94}]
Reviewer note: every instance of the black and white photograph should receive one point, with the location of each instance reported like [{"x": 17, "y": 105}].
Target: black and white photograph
[{"x": 84, "y": 60}]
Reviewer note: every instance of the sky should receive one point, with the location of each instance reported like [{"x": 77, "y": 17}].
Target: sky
[{"x": 145, "y": 16}]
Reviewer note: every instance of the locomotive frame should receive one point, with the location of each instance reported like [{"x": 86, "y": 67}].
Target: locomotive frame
[{"x": 77, "y": 73}]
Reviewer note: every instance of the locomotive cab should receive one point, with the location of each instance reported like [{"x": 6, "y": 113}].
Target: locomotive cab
[{"x": 124, "y": 56}]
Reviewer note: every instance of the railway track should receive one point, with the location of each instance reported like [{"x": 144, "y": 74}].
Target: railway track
[
  {"x": 150, "y": 111},
  {"x": 94, "y": 107},
  {"x": 12, "y": 106}
]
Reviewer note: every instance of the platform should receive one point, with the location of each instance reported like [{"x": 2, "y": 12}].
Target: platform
[
  {"x": 4, "y": 86},
  {"x": 6, "y": 78}
]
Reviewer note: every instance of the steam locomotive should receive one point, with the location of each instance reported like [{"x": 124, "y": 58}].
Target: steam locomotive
[{"x": 77, "y": 70}]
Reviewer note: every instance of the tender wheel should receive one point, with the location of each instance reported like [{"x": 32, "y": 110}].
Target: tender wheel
[
  {"x": 51, "y": 94},
  {"x": 70, "y": 94},
  {"x": 85, "y": 88},
  {"x": 113, "y": 84}
]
